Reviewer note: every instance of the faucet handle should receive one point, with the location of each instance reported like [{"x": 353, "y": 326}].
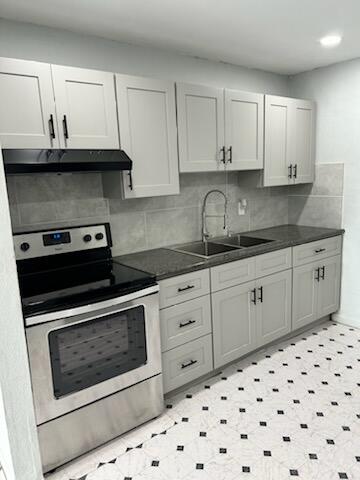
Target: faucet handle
[{"x": 205, "y": 236}]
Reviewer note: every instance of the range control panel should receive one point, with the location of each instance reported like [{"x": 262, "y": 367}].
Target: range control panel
[{"x": 52, "y": 242}]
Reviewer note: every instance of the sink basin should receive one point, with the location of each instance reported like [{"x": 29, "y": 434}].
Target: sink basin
[
  {"x": 243, "y": 241},
  {"x": 205, "y": 249}
]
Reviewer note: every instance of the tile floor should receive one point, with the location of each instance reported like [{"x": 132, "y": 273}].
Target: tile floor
[{"x": 291, "y": 411}]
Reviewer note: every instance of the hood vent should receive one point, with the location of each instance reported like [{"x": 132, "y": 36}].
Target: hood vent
[{"x": 44, "y": 161}]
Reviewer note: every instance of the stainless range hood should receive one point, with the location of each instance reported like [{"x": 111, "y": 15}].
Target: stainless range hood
[{"x": 44, "y": 161}]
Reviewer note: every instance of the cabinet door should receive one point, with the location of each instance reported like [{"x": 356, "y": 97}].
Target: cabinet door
[
  {"x": 329, "y": 286},
  {"x": 305, "y": 298},
  {"x": 200, "y": 112},
  {"x": 244, "y": 130},
  {"x": 86, "y": 108},
  {"x": 27, "y": 113},
  {"x": 234, "y": 323},
  {"x": 277, "y": 160},
  {"x": 304, "y": 141},
  {"x": 147, "y": 122},
  {"x": 273, "y": 307}
]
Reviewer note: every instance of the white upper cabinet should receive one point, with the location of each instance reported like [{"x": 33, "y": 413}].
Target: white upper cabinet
[
  {"x": 147, "y": 123},
  {"x": 289, "y": 141},
  {"x": 27, "y": 108},
  {"x": 86, "y": 108},
  {"x": 304, "y": 141},
  {"x": 277, "y": 140},
  {"x": 244, "y": 130},
  {"x": 200, "y": 112},
  {"x": 219, "y": 126}
]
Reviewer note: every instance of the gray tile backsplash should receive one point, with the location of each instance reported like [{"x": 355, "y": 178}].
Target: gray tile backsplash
[
  {"x": 318, "y": 211},
  {"x": 319, "y": 204},
  {"x": 52, "y": 201}
]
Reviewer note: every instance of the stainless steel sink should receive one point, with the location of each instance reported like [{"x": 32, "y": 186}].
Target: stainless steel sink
[
  {"x": 219, "y": 246},
  {"x": 242, "y": 241},
  {"x": 204, "y": 249}
]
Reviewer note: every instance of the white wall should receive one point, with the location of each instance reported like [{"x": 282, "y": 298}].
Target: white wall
[
  {"x": 20, "y": 40},
  {"x": 6, "y": 462},
  {"x": 16, "y": 410},
  {"x": 336, "y": 89}
]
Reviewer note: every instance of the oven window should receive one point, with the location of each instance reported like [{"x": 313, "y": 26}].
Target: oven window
[{"x": 90, "y": 352}]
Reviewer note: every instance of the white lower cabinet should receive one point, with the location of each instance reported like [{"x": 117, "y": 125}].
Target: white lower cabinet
[
  {"x": 273, "y": 308},
  {"x": 234, "y": 323},
  {"x": 316, "y": 290},
  {"x": 329, "y": 286},
  {"x": 187, "y": 362},
  {"x": 251, "y": 303},
  {"x": 304, "y": 295},
  {"x": 250, "y": 315}
]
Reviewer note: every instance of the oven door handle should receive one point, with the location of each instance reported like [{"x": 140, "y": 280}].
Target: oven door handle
[{"x": 90, "y": 308}]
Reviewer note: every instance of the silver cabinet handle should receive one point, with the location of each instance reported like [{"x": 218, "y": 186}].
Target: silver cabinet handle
[
  {"x": 189, "y": 322},
  {"x": 317, "y": 274},
  {"x": 290, "y": 168},
  {"x": 186, "y": 365}
]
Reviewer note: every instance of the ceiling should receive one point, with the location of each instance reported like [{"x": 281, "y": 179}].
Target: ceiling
[{"x": 276, "y": 35}]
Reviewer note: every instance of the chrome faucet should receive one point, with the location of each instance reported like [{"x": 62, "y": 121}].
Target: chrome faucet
[{"x": 205, "y": 233}]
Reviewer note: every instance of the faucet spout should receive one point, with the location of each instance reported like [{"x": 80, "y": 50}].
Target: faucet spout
[{"x": 205, "y": 233}]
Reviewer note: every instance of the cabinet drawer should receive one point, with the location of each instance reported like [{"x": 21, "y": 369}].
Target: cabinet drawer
[
  {"x": 272, "y": 262},
  {"x": 187, "y": 321},
  {"x": 187, "y": 362},
  {"x": 316, "y": 250},
  {"x": 184, "y": 287},
  {"x": 231, "y": 274}
]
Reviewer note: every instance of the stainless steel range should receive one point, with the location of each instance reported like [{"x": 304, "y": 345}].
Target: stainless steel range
[{"x": 93, "y": 336}]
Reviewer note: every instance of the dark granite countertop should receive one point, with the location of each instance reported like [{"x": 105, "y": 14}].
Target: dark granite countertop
[{"x": 165, "y": 263}]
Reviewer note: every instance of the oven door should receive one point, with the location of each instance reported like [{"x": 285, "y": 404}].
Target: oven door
[{"x": 81, "y": 355}]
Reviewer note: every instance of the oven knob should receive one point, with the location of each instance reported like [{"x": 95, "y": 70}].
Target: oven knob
[
  {"x": 24, "y": 246},
  {"x": 87, "y": 238},
  {"x": 99, "y": 236}
]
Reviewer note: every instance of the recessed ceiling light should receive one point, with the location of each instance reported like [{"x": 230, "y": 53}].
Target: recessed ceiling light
[{"x": 330, "y": 41}]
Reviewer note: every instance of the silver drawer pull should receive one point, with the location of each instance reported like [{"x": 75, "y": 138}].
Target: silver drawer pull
[
  {"x": 186, "y": 365},
  {"x": 183, "y": 289},
  {"x": 319, "y": 250},
  {"x": 189, "y": 322}
]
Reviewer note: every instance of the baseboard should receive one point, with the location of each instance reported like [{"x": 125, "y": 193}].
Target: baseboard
[{"x": 346, "y": 320}]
